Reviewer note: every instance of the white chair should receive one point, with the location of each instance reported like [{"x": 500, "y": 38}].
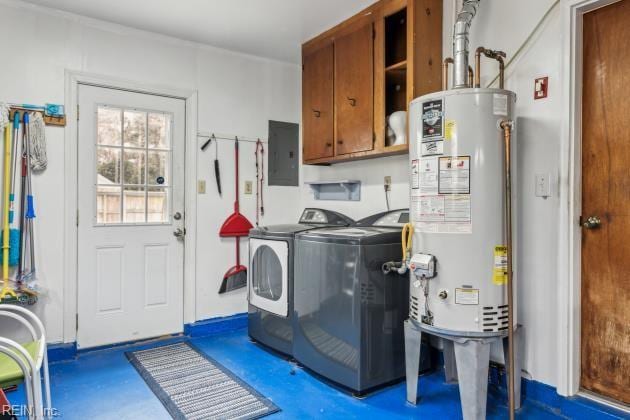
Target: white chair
[{"x": 35, "y": 353}]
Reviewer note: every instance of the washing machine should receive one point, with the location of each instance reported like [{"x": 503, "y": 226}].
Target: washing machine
[
  {"x": 348, "y": 324},
  {"x": 270, "y": 282}
]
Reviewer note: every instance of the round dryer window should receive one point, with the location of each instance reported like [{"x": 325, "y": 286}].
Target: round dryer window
[{"x": 267, "y": 273}]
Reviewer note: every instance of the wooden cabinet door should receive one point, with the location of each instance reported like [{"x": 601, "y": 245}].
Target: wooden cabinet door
[
  {"x": 605, "y": 328},
  {"x": 354, "y": 91},
  {"x": 317, "y": 103}
]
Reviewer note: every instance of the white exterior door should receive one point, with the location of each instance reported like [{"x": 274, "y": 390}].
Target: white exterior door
[
  {"x": 130, "y": 201},
  {"x": 268, "y": 275}
]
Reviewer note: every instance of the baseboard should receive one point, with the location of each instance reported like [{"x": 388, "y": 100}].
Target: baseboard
[
  {"x": 547, "y": 397},
  {"x": 216, "y": 325},
  {"x": 60, "y": 352}
]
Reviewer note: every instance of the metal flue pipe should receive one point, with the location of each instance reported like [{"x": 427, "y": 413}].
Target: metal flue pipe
[{"x": 461, "y": 43}]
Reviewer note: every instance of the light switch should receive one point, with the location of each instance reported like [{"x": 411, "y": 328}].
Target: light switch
[
  {"x": 543, "y": 185},
  {"x": 201, "y": 186},
  {"x": 248, "y": 187}
]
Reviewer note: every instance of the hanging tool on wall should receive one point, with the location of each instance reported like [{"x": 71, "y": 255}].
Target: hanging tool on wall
[
  {"x": 236, "y": 226},
  {"x": 260, "y": 180},
  {"x": 6, "y": 291},
  {"x": 217, "y": 173},
  {"x": 26, "y": 265}
]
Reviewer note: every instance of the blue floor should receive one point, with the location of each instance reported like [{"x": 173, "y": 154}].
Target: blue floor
[{"x": 104, "y": 385}]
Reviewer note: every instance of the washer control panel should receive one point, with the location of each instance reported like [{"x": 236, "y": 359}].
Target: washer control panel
[{"x": 393, "y": 219}]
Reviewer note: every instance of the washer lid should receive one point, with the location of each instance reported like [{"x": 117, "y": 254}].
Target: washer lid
[
  {"x": 353, "y": 235},
  {"x": 288, "y": 230}
]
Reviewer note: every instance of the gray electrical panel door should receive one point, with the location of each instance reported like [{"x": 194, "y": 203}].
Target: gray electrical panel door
[{"x": 284, "y": 143}]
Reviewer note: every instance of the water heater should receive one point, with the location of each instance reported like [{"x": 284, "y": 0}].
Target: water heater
[{"x": 457, "y": 201}]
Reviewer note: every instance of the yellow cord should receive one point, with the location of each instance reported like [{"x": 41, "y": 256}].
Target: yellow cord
[
  {"x": 407, "y": 239},
  {"x": 6, "y": 290}
]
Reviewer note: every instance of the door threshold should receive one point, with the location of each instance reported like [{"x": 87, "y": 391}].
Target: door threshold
[{"x": 604, "y": 400}]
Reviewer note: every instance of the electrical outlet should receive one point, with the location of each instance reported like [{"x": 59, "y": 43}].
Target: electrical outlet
[
  {"x": 249, "y": 186},
  {"x": 388, "y": 182},
  {"x": 201, "y": 186}
]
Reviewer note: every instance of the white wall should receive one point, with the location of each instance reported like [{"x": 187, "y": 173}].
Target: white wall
[{"x": 237, "y": 94}]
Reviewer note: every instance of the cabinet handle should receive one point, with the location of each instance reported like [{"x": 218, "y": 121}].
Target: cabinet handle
[
  {"x": 353, "y": 101},
  {"x": 328, "y": 144},
  {"x": 339, "y": 141},
  {"x": 317, "y": 113}
]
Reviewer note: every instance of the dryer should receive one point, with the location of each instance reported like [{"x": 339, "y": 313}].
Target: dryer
[
  {"x": 270, "y": 282},
  {"x": 348, "y": 324}
]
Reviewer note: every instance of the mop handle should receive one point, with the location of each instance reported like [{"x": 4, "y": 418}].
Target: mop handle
[
  {"x": 30, "y": 208},
  {"x": 236, "y": 205},
  {"x": 16, "y": 135},
  {"x": 5, "y": 214}
]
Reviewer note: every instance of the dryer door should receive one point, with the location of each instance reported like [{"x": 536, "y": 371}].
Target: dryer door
[{"x": 268, "y": 275}]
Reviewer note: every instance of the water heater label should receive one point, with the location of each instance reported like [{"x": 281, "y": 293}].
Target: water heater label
[
  {"x": 467, "y": 296},
  {"x": 415, "y": 174},
  {"x": 499, "y": 272},
  {"x": 454, "y": 175},
  {"x": 432, "y": 148},
  {"x": 500, "y": 104},
  {"x": 433, "y": 119}
]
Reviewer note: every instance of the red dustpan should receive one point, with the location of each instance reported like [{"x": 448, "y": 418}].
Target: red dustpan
[{"x": 236, "y": 225}]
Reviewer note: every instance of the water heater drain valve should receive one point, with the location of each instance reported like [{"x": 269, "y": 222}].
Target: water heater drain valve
[{"x": 423, "y": 266}]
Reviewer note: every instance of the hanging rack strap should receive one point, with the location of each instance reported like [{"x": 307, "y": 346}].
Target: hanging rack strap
[{"x": 228, "y": 137}]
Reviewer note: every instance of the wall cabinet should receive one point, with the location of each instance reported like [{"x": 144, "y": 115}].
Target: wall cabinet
[
  {"x": 317, "y": 103},
  {"x": 362, "y": 70}
]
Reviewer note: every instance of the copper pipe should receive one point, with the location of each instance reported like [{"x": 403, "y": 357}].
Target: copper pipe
[
  {"x": 506, "y": 126},
  {"x": 478, "y": 66},
  {"x": 501, "y": 70},
  {"x": 495, "y": 55},
  {"x": 447, "y": 61},
  {"x": 470, "y": 76}
]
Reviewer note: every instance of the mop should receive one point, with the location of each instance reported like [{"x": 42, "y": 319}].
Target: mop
[{"x": 28, "y": 214}]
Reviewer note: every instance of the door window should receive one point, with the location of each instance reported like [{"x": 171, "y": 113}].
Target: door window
[
  {"x": 267, "y": 274},
  {"x": 133, "y": 168}
]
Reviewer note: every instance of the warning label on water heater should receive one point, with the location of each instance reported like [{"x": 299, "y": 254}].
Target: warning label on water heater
[
  {"x": 441, "y": 203},
  {"x": 466, "y": 296},
  {"x": 433, "y": 119},
  {"x": 499, "y": 271}
]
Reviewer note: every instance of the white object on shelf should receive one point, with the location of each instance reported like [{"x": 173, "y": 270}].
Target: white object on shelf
[{"x": 397, "y": 122}]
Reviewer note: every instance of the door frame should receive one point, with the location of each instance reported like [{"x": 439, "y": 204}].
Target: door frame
[
  {"x": 70, "y": 241},
  {"x": 570, "y": 191}
]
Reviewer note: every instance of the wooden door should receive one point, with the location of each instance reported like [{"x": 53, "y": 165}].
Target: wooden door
[
  {"x": 354, "y": 91},
  {"x": 317, "y": 103},
  {"x": 605, "y": 335}
]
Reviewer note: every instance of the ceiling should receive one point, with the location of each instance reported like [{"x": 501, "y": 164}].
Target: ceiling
[{"x": 267, "y": 28}]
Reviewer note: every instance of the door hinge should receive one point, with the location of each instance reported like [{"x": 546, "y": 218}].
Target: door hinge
[
  {"x": 373, "y": 138},
  {"x": 77, "y": 321},
  {"x": 77, "y": 218},
  {"x": 77, "y": 112},
  {"x": 373, "y": 33}
]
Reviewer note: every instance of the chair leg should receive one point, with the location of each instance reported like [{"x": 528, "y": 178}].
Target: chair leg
[{"x": 48, "y": 405}]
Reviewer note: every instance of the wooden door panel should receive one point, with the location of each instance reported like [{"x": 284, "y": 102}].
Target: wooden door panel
[
  {"x": 354, "y": 91},
  {"x": 317, "y": 103},
  {"x": 605, "y": 328}
]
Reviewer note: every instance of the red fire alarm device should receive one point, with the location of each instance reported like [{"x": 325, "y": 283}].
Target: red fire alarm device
[{"x": 540, "y": 87}]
